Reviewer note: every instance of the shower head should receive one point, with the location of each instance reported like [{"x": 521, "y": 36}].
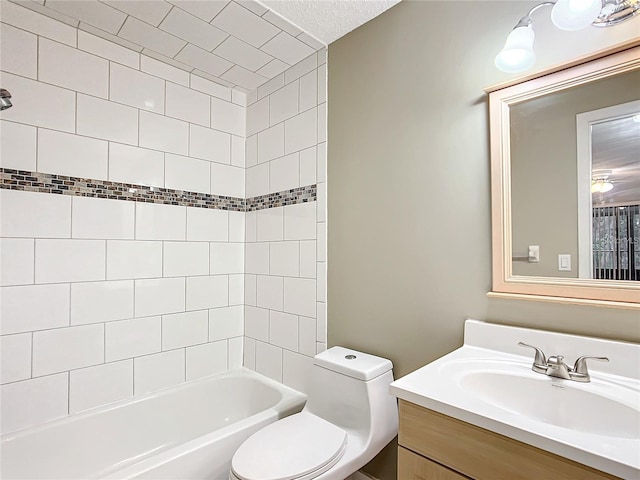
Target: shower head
[{"x": 5, "y": 101}]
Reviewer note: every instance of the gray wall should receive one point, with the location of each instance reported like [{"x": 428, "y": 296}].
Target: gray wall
[{"x": 408, "y": 175}]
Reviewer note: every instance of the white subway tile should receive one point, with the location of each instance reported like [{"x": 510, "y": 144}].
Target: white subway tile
[
  {"x": 283, "y": 103},
  {"x": 307, "y": 336},
  {"x": 270, "y": 292},
  {"x": 271, "y": 143},
  {"x": 149, "y": 12},
  {"x": 322, "y": 162},
  {"x": 95, "y": 302},
  {"x": 250, "y": 226},
  {"x": 160, "y": 222},
  {"x": 207, "y": 224},
  {"x": 284, "y": 173},
  {"x": 250, "y": 290},
  {"x": 308, "y": 259},
  {"x": 72, "y": 155},
  {"x": 257, "y": 180},
  {"x": 132, "y": 338},
  {"x": 269, "y": 361},
  {"x": 287, "y": 48},
  {"x": 17, "y": 146},
  {"x": 256, "y": 323},
  {"x": 227, "y": 180},
  {"x": 95, "y": 386},
  {"x": 186, "y": 258},
  {"x": 110, "y": 121},
  {"x": 136, "y": 165},
  {"x": 30, "y": 214},
  {"x": 237, "y": 151},
  {"x": 163, "y": 70},
  {"x": 308, "y": 166},
  {"x": 15, "y": 356},
  {"x": 236, "y": 289},
  {"x": 207, "y": 292},
  {"x": 188, "y": 105},
  {"x": 321, "y": 276},
  {"x": 184, "y": 329},
  {"x": 210, "y": 88},
  {"x": 242, "y": 23},
  {"x": 207, "y": 359},
  {"x": 209, "y": 144},
  {"x": 308, "y": 91},
  {"x": 211, "y": 65},
  {"x": 258, "y": 116},
  {"x": 322, "y": 83},
  {"x": 73, "y": 69},
  {"x": 192, "y": 29},
  {"x": 300, "y": 296},
  {"x": 270, "y": 224},
  {"x": 94, "y": 13},
  {"x": 284, "y": 258},
  {"x": 185, "y": 173},
  {"x": 283, "y": 330},
  {"x": 322, "y": 122},
  {"x": 227, "y": 117},
  {"x": 226, "y": 322},
  {"x": 257, "y": 258},
  {"x": 33, "y": 307},
  {"x": 31, "y": 21},
  {"x": 301, "y": 131},
  {"x": 235, "y": 352},
  {"x": 242, "y": 54},
  {"x": 159, "y": 296},
  {"x": 158, "y": 371},
  {"x": 251, "y": 151},
  {"x": 164, "y": 133},
  {"x": 152, "y": 38},
  {"x": 321, "y": 202},
  {"x": 102, "y": 218},
  {"x": 69, "y": 260},
  {"x": 301, "y": 68},
  {"x": 109, "y": 37},
  {"x": 322, "y": 56},
  {"x": 106, "y": 49},
  {"x": 243, "y": 78},
  {"x": 19, "y": 51},
  {"x": 249, "y": 353},
  {"x": 239, "y": 98},
  {"x": 236, "y": 226},
  {"x": 41, "y": 105},
  {"x": 204, "y": 10},
  {"x": 16, "y": 261},
  {"x": 300, "y": 221},
  {"x": 67, "y": 348},
  {"x": 136, "y": 89},
  {"x": 35, "y": 401},
  {"x": 227, "y": 258},
  {"x": 321, "y": 322},
  {"x": 133, "y": 259},
  {"x": 296, "y": 370}
]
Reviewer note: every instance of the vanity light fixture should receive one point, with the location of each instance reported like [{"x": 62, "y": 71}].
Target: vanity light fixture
[{"x": 518, "y": 55}]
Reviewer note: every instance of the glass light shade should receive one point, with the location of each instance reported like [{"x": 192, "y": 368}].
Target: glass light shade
[
  {"x": 575, "y": 14},
  {"x": 517, "y": 54},
  {"x": 601, "y": 186}
]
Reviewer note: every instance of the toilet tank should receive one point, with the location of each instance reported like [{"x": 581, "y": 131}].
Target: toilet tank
[{"x": 350, "y": 388}]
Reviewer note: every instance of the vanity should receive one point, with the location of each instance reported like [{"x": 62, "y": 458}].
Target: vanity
[{"x": 481, "y": 411}]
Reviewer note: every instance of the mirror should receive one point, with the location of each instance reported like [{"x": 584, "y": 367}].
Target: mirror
[{"x": 565, "y": 151}]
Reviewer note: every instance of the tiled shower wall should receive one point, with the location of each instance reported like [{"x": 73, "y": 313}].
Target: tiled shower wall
[
  {"x": 285, "y": 251},
  {"x": 103, "y": 299}
]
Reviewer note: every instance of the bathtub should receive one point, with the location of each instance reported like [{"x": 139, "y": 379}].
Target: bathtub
[{"x": 186, "y": 432}]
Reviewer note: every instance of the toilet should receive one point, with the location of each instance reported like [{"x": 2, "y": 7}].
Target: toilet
[{"x": 348, "y": 418}]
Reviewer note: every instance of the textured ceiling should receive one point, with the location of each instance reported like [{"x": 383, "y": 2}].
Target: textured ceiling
[{"x": 328, "y": 20}]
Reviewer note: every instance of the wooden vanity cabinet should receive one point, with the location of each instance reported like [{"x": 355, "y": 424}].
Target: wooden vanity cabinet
[{"x": 433, "y": 446}]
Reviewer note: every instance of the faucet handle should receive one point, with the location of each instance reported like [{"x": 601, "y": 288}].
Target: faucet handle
[
  {"x": 580, "y": 367},
  {"x": 540, "y": 360}
]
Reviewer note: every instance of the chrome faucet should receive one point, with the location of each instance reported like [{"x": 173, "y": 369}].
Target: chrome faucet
[{"x": 554, "y": 366}]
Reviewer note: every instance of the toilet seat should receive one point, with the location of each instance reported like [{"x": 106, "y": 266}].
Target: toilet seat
[{"x": 299, "y": 447}]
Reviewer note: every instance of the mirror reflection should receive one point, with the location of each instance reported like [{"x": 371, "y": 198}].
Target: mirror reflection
[{"x": 575, "y": 181}]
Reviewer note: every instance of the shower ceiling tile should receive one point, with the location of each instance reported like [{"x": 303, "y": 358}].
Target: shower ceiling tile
[
  {"x": 150, "y": 12},
  {"x": 287, "y": 48},
  {"x": 281, "y": 23},
  {"x": 244, "y": 78},
  {"x": 203, "y": 60},
  {"x": 85, "y": 27},
  {"x": 194, "y": 30},
  {"x": 204, "y": 10},
  {"x": 144, "y": 34},
  {"x": 247, "y": 26},
  {"x": 273, "y": 68},
  {"x": 90, "y": 11},
  {"x": 242, "y": 54},
  {"x": 254, "y": 6}
]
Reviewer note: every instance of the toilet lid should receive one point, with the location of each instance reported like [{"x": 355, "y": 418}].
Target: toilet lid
[{"x": 300, "y": 446}]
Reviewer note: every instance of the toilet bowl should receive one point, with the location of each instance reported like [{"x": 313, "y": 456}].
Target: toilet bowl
[{"x": 349, "y": 417}]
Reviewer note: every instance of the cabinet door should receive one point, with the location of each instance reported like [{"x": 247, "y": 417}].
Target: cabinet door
[{"x": 414, "y": 467}]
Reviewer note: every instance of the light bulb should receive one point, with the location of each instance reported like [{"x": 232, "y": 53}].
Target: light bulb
[
  {"x": 575, "y": 14},
  {"x": 517, "y": 54}
]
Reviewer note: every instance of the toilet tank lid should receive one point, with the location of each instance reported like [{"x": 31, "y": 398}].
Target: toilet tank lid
[{"x": 353, "y": 363}]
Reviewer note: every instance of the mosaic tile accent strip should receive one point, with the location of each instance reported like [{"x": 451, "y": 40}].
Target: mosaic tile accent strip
[{"x": 84, "y": 187}]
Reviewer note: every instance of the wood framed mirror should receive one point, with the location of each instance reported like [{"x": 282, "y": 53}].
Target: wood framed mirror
[{"x": 565, "y": 146}]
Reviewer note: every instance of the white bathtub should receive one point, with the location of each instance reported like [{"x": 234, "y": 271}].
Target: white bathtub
[{"x": 186, "y": 432}]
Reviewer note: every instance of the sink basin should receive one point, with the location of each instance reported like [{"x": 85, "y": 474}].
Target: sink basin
[{"x": 556, "y": 402}]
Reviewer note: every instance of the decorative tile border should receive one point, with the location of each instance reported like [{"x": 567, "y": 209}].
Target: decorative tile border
[{"x": 84, "y": 187}]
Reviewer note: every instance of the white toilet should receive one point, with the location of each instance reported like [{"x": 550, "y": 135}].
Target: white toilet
[{"x": 349, "y": 417}]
